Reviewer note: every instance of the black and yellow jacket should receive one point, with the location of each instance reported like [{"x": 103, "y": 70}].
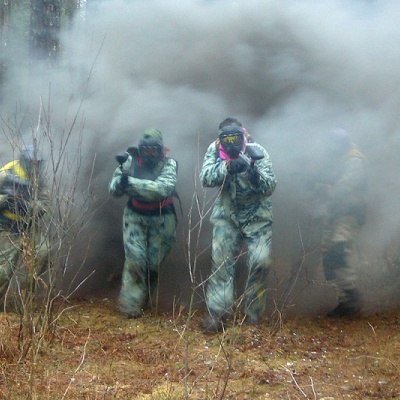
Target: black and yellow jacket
[{"x": 12, "y": 176}]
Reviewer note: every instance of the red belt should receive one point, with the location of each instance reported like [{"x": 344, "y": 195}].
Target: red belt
[{"x": 152, "y": 206}]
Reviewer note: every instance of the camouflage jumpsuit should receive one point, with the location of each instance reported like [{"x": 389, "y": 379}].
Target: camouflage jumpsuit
[
  {"x": 345, "y": 216},
  {"x": 148, "y": 235},
  {"x": 242, "y": 214},
  {"x": 15, "y": 226}
]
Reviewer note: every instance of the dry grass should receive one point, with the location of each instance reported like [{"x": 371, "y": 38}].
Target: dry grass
[{"x": 98, "y": 354}]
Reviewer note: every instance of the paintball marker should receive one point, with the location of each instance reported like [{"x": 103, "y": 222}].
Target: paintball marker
[
  {"x": 121, "y": 158},
  {"x": 254, "y": 153}
]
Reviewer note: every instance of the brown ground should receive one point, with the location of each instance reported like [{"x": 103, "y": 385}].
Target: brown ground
[{"x": 98, "y": 354}]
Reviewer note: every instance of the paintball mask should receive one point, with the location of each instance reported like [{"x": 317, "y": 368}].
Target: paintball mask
[
  {"x": 31, "y": 160},
  {"x": 151, "y": 149},
  {"x": 232, "y": 139}
]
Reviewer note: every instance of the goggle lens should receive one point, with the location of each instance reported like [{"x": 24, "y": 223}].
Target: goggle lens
[
  {"x": 149, "y": 151},
  {"x": 232, "y": 139}
]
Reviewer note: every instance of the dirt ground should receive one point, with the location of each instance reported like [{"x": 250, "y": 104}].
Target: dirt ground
[{"x": 98, "y": 354}]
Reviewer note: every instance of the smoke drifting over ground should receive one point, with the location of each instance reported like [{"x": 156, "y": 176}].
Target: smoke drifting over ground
[{"x": 289, "y": 70}]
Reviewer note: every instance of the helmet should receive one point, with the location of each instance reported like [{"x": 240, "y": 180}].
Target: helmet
[
  {"x": 230, "y": 121},
  {"x": 232, "y": 139},
  {"x": 151, "y": 148},
  {"x": 30, "y": 154}
]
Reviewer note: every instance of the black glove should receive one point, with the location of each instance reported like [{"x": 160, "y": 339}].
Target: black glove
[
  {"x": 254, "y": 176},
  {"x": 236, "y": 165},
  {"x": 123, "y": 183}
]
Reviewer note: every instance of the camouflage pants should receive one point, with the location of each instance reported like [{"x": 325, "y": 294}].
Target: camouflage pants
[
  {"x": 38, "y": 255},
  {"x": 147, "y": 241},
  {"x": 339, "y": 256},
  {"x": 226, "y": 244},
  {"x": 9, "y": 254}
]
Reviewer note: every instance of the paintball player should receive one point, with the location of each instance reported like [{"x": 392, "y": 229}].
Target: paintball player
[
  {"x": 242, "y": 214},
  {"x": 23, "y": 200},
  {"x": 148, "y": 178},
  {"x": 344, "y": 194}
]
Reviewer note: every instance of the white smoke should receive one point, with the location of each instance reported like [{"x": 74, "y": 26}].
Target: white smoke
[{"x": 289, "y": 70}]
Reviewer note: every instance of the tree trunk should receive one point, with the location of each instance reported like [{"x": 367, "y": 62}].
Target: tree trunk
[
  {"x": 45, "y": 29},
  {"x": 5, "y": 6}
]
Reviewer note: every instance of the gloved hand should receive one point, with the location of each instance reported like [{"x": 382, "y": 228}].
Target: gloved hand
[
  {"x": 254, "y": 176},
  {"x": 123, "y": 183},
  {"x": 236, "y": 165}
]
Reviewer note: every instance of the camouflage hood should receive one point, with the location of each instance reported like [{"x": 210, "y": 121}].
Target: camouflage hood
[
  {"x": 152, "y": 136},
  {"x": 151, "y": 148}
]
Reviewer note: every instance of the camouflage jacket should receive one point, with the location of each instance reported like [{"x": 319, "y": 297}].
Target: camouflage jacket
[
  {"x": 146, "y": 190},
  {"x": 347, "y": 191},
  {"x": 238, "y": 199}
]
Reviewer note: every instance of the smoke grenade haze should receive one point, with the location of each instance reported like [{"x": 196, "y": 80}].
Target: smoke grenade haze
[{"x": 291, "y": 71}]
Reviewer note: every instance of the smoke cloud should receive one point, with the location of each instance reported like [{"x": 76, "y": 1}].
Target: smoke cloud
[{"x": 291, "y": 71}]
